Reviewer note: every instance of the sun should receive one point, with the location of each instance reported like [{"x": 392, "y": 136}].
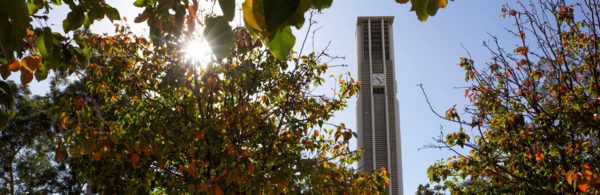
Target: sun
[{"x": 198, "y": 51}]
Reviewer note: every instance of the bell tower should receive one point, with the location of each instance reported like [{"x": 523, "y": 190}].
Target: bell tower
[{"x": 377, "y": 109}]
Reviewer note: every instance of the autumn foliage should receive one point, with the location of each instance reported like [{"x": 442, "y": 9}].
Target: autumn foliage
[{"x": 534, "y": 112}]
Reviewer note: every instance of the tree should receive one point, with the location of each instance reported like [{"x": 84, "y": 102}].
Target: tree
[
  {"x": 535, "y": 123},
  {"x": 156, "y": 121},
  {"x": 426, "y": 190},
  {"x": 40, "y": 51},
  {"x": 26, "y": 147}
]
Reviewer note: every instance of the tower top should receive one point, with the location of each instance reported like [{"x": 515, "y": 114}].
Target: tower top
[{"x": 389, "y": 19}]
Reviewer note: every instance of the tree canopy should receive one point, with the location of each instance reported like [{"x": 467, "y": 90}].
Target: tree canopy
[
  {"x": 37, "y": 52},
  {"x": 534, "y": 112}
]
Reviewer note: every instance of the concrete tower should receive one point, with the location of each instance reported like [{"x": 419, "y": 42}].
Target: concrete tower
[{"x": 377, "y": 109}]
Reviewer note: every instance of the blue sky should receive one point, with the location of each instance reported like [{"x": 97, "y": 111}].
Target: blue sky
[{"x": 425, "y": 52}]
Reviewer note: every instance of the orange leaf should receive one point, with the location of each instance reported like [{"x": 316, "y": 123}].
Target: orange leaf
[
  {"x": 31, "y": 63},
  {"x": 125, "y": 18},
  {"x": 212, "y": 81},
  {"x": 26, "y": 77},
  {"x": 59, "y": 156},
  {"x": 78, "y": 102},
  {"x": 583, "y": 187},
  {"x": 251, "y": 168},
  {"x": 13, "y": 65},
  {"x": 587, "y": 175},
  {"x": 563, "y": 88},
  {"x": 29, "y": 32},
  {"x": 64, "y": 121},
  {"x": 118, "y": 157},
  {"x": 192, "y": 11},
  {"x": 331, "y": 76},
  {"x": 218, "y": 190},
  {"x": 97, "y": 156},
  {"x": 135, "y": 158}
]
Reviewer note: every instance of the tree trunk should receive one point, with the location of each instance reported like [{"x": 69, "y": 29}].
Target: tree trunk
[{"x": 12, "y": 178}]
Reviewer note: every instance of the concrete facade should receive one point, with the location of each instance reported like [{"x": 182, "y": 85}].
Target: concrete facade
[{"x": 377, "y": 109}]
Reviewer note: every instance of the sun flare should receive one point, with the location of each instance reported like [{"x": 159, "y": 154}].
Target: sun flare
[{"x": 198, "y": 51}]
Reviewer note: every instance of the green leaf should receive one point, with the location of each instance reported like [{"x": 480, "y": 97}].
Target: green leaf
[
  {"x": 3, "y": 119},
  {"x": 15, "y": 29},
  {"x": 67, "y": 26},
  {"x": 56, "y": 55},
  {"x": 321, "y": 4},
  {"x": 8, "y": 92},
  {"x": 83, "y": 60},
  {"x": 281, "y": 43},
  {"x": 219, "y": 36},
  {"x": 98, "y": 11},
  {"x": 298, "y": 19},
  {"x": 432, "y": 7},
  {"x": 34, "y": 6},
  {"x": 5, "y": 72},
  {"x": 45, "y": 43},
  {"x": 78, "y": 38},
  {"x": 56, "y": 2},
  {"x": 422, "y": 15},
  {"x": 75, "y": 19},
  {"x": 112, "y": 14},
  {"x": 228, "y": 7},
  {"x": 5, "y": 38},
  {"x": 252, "y": 32},
  {"x": 277, "y": 12},
  {"x": 140, "y": 3},
  {"x": 88, "y": 21},
  {"x": 40, "y": 74}
]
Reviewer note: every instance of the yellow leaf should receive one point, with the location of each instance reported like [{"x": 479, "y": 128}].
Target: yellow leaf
[
  {"x": 251, "y": 168},
  {"x": 570, "y": 177},
  {"x": 119, "y": 157},
  {"x": 234, "y": 64},
  {"x": 252, "y": 15},
  {"x": 97, "y": 156},
  {"x": 442, "y": 3},
  {"x": 64, "y": 121},
  {"x": 135, "y": 158}
]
